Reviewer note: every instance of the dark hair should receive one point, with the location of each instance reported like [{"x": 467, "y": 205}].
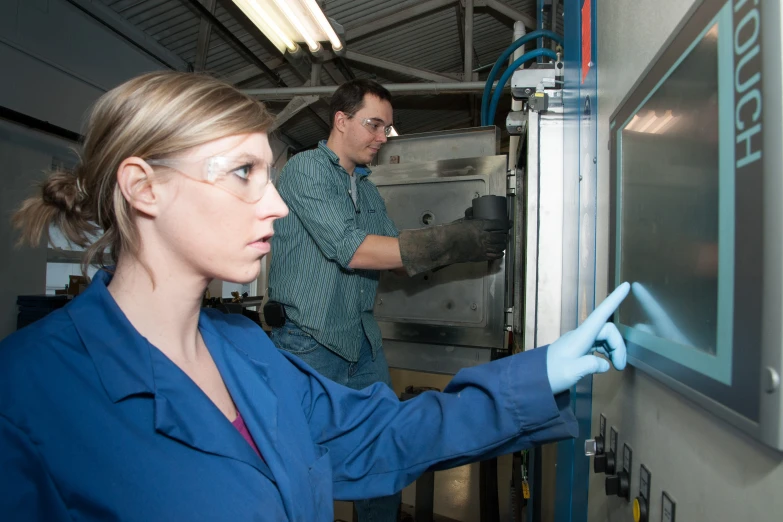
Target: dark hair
[{"x": 349, "y": 97}]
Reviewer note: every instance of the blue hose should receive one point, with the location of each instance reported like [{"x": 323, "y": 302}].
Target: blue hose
[
  {"x": 503, "y": 58},
  {"x": 507, "y": 74}
]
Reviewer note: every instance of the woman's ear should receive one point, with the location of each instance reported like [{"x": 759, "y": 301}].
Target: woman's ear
[{"x": 134, "y": 177}]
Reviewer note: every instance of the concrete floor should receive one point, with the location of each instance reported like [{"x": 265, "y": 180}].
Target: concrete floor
[{"x": 456, "y": 490}]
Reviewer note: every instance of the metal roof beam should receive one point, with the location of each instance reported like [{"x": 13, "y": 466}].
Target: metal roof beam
[
  {"x": 468, "y": 52},
  {"x": 509, "y": 12},
  {"x": 296, "y": 105},
  {"x": 204, "y": 37},
  {"x": 334, "y": 73},
  {"x": 398, "y": 67},
  {"x": 399, "y": 88},
  {"x": 233, "y": 41},
  {"x": 122, "y": 27},
  {"x": 404, "y": 12},
  {"x": 251, "y": 71}
]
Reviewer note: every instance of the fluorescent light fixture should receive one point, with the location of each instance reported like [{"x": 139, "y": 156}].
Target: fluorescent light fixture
[
  {"x": 289, "y": 10},
  {"x": 286, "y": 22},
  {"x": 274, "y": 29},
  {"x": 321, "y": 20}
]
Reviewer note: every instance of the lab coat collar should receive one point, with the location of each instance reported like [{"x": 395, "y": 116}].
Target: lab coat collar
[
  {"x": 128, "y": 365},
  {"x": 121, "y": 355}
]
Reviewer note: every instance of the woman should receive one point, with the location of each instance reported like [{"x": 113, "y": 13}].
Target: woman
[{"x": 132, "y": 403}]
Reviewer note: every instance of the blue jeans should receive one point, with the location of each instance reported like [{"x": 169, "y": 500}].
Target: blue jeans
[{"x": 359, "y": 375}]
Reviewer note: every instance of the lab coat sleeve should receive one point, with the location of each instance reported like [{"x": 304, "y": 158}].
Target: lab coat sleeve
[
  {"x": 324, "y": 209},
  {"x": 378, "y": 445},
  {"x": 27, "y": 492}
]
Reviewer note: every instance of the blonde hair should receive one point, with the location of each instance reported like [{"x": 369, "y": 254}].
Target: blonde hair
[{"x": 152, "y": 116}]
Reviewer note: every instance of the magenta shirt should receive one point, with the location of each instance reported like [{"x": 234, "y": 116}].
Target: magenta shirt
[{"x": 239, "y": 424}]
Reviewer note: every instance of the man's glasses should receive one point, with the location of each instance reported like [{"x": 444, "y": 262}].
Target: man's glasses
[
  {"x": 244, "y": 177},
  {"x": 375, "y": 126}
]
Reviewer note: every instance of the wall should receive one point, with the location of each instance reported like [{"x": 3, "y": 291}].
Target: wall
[
  {"x": 23, "y": 157},
  {"x": 56, "y": 62},
  {"x": 61, "y": 60},
  {"x": 714, "y": 472}
]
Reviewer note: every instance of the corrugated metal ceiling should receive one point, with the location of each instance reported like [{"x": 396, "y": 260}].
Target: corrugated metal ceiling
[{"x": 430, "y": 41}]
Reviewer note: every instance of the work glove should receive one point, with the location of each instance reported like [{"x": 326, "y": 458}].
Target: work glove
[
  {"x": 568, "y": 359},
  {"x": 461, "y": 241}
]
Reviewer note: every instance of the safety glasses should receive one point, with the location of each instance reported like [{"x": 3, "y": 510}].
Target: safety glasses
[
  {"x": 374, "y": 125},
  {"x": 245, "y": 177}
]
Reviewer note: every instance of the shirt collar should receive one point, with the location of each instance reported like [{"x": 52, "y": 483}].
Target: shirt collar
[{"x": 360, "y": 170}]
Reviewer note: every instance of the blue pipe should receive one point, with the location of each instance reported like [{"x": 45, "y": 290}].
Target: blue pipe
[
  {"x": 506, "y": 75},
  {"x": 503, "y": 59}
]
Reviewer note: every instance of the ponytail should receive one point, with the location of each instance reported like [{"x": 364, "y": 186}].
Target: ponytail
[{"x": 61, "y": 202}]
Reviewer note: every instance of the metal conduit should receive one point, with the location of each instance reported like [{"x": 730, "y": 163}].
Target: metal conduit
[{"x": 397, "y": 88}]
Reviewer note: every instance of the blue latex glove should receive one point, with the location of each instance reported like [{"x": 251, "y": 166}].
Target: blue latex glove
[{"x": 568, "y": 359}]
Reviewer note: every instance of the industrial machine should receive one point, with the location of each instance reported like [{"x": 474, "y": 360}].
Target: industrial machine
[{"x": 673, "y": 183}]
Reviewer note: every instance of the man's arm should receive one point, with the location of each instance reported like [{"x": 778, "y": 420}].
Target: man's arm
[{"x": 377, "y": 253}]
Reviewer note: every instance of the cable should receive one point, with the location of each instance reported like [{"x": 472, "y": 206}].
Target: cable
[
  {"x": 503, "y": 59},
  {"x": 506, "y": 75}
]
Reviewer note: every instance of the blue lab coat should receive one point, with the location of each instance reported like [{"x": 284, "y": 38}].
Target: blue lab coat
[{"x": 97, "y": 424}]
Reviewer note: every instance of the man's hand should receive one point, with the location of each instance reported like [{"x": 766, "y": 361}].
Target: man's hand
[{"x": 462, "y": 241}]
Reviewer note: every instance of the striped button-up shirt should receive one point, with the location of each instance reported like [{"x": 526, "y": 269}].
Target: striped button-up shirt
[{"x": 314, "y": 244}]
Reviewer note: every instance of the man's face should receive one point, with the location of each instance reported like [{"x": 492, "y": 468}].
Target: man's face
[{"x": 365, "y": 131}]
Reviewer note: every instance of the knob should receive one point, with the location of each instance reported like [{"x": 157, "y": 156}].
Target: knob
[
  {"x": 599, "y": 445},
  {"x": 618, "y": 485},
  {"x": 599, "y": 463},
  {"x": 640, "y": 509},
  {"x": 611, "y": 463}
]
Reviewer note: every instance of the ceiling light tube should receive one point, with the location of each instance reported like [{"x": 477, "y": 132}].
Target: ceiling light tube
[
  {"x": 263, "y": 19},
  {"x": 298, "y": 24},
  {"x": 323, "y": 23}
]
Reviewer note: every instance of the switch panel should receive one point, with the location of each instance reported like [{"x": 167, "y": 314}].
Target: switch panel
[{"x": 667, "y": 508}]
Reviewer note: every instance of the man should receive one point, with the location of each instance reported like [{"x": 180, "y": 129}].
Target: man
[{"x": 328, "y": 253}]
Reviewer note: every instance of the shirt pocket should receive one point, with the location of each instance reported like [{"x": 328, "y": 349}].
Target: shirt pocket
[{"x": 320, "y": 476}]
